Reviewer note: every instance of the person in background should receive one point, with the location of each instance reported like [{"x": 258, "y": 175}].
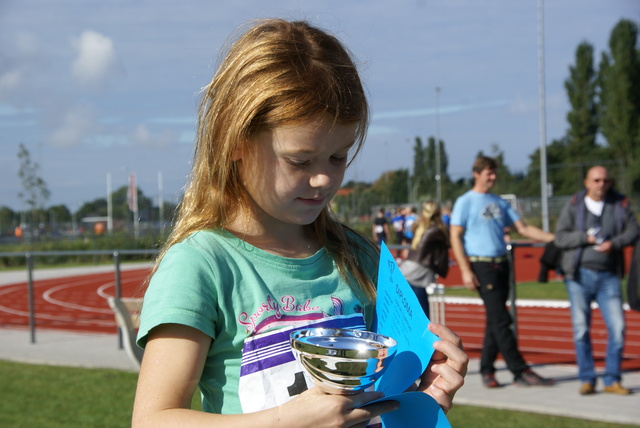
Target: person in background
[
  {"x": 257, "y": 253},
  {"x": 397, "y": 221},
  {"x": 593, "y": 228},
  {"x": 633, "y": 281},
  {"x": 446, "y": 214},
  {"x": 549, "y": 261},
  {"x": 428, "y": 258},
  {"x": 478, "y": 223},
  {"x": 409, "y": 218},
  {"x": 380, "y": 227}
]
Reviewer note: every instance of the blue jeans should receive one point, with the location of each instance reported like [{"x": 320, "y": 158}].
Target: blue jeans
[{"x": 603, "y": 287}]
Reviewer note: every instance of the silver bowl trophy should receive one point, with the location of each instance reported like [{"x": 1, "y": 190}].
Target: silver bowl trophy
[{"x": 342, "y": 361}]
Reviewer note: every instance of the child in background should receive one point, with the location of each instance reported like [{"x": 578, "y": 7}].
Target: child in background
[
  {"x": 380, "y": 228},
  {"x": 398, "y": 225},
  {"x": 256, "y": 252},
  {"x": 409, "y": 219}
]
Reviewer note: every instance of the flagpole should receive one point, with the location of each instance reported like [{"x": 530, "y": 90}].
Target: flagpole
[
  {"x": 133, "y": 203},
  {"x": 109, "y": 205},
  {"x": 136, "y": 217}
]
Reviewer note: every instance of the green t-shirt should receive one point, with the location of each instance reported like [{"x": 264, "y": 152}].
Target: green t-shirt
[{"x": 249, "y": 301}]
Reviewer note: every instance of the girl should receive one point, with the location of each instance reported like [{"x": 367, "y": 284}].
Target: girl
[
  {"x": 256, "y": 252},
  {"x": 429, "y": 254}
]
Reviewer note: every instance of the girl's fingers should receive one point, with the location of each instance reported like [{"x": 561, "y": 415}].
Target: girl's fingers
[
  {"x": 370, "y": 411},
  {"x": 354, "y": 408},
  {"x": 445, "y": 374},
  {"x": 444, "y": 399},
  {"x": 449, "y": 349}
]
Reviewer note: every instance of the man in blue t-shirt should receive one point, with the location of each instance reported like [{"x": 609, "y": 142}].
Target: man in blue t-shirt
[{"x": 478, "y": 223}]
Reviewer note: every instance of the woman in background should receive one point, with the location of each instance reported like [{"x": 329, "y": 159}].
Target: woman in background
[{"x": 429, "y": 254}]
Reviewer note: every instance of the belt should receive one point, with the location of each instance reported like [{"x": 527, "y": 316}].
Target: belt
[{"x": 475, "y": 259}]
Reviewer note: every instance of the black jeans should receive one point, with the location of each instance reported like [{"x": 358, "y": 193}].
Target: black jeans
[{"x": 498, "y": 336}]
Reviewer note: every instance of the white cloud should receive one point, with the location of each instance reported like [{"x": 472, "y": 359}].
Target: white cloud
[
  {"x": 142, "y": 134},
  {"x": 9, "y": 81},
  {"x": 19, "y": 61},
  {"x": 523, "y": 105},
  {"x": 97, "y": 62},
  {"x": 75, "y": 125},
  {"x": 28, "y": 45},
  {"x": 145, "y": 137}
]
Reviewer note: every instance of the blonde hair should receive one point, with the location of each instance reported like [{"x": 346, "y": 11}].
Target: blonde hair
[
  {"x": 430, "y": 215},
  {"x": 276, "y": 73}
]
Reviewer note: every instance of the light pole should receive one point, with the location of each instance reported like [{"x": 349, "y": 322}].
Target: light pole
[
  {"x": 409, "y": 180},
  {"x": 160, "y": 201},
  {"x": 543, "y": 127},
  {"x": 438, "y": 171}
]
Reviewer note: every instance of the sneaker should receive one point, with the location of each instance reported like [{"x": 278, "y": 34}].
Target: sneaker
[
  {"x": 531, "y": 378},
  {"x": 587, "y": 388},
  {"x": 616, "y": 388},
  {"x": 489, "y": 380}
]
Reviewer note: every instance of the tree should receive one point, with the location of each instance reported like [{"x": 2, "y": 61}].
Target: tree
[
  {"x": 8, "y": 220},
  {"x": 98, "y": 207},
  {"x": 564, "y": 176},
  {"x": 420, "y": 173},
  {"x": 59, "y": 214},
  {"x": 353, "y": 201},
  {"x": 583, "y": 116},
  {"x": 567, "y": 157},
  {"x": 445, "y": 181},
  {"x": 35, "y": 192},
  {"x": 431, "y": 161},
  {"x": 425, "y": 168},
  {"x": 391, "y": 187},
  {"x": 429, "y": 190},
  {"x": 619, "y": 106}
]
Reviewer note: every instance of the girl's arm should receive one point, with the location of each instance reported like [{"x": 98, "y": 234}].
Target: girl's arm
[{"x": 171, "y": 368}]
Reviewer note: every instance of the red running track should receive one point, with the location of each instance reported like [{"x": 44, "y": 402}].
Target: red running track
[
  {"x": 78, "y": 303},
  {"x": 544, "y": 334}
]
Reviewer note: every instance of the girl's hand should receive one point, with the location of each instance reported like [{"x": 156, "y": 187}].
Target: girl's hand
[
  {"x": 314, "y": 408},
  {"x": 445, "y": 373}
]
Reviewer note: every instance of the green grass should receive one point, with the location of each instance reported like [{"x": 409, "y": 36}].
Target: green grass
[
  {"x": 524, "y": 290},
  {"x": 480, "y": 417},
  {"x": 553, "y": 290},
  {"x": 56, "y": 397},
  {"x": 48, "y": 396}
]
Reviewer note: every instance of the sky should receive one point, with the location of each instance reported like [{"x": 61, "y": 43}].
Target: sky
[{"x": 98, "y": 89}]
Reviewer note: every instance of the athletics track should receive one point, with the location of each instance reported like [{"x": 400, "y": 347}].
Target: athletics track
[{"x": 77, "y": 302}]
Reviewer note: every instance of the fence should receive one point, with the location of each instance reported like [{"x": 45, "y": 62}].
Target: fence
[
  {"x": 116, "y": 256},
  {"x": 30, "y": 262}
]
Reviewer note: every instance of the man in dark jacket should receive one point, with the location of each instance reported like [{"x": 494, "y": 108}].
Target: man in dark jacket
[{"x": 593, "y": 229}]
